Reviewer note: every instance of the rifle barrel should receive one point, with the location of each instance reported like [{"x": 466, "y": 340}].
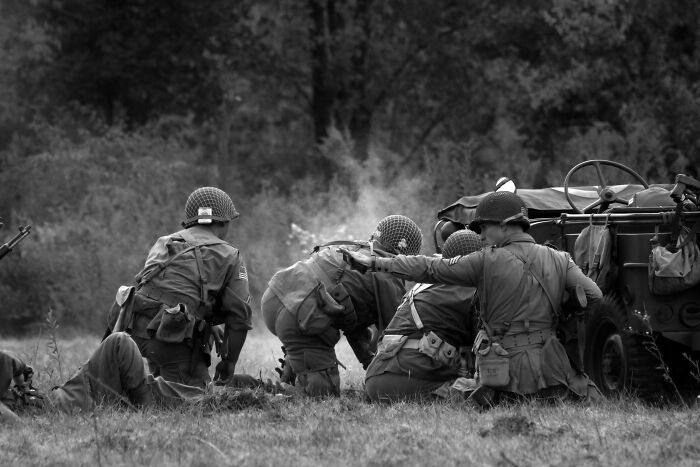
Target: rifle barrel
[{"x": 7, "y": 247}]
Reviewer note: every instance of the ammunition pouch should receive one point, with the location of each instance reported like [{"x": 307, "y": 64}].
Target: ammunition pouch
[
  {"x": 145, "y": 309},
  {"x": 173, "y": 325},
  {"x": 440, "y": 351}
]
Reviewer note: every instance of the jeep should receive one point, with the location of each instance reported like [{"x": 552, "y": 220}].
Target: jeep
[{"x": 634, "y": 339}]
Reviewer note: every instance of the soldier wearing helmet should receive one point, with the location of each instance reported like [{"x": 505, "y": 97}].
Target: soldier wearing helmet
[
  {"x": 520, "y": 285},
  {"x": 307, "y": 305},
  {"x": 193, "y": 281},
  {"x": 423, "y": 347}
]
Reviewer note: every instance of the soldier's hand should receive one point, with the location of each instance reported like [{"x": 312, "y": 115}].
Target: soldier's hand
[
  {"x": 285, "y": 371},
  {"x": 356, "y": 260},
  {"x": 217, "y": 335},
  {"x": 224, "y": 372}
]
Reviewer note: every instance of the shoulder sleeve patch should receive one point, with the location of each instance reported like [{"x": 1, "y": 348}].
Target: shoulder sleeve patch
[
  {"x": 243, "y": 273},
  {"x": 454, "y": 260}
]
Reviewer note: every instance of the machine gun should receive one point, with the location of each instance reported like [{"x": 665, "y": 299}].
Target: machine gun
[{"x": 7, "y": 247}]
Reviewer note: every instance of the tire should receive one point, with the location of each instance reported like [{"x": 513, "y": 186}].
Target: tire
[{"x": 615, "y": 358}]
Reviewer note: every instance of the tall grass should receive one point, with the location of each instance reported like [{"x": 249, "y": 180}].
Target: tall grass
[{"x": 346, "y": 430}]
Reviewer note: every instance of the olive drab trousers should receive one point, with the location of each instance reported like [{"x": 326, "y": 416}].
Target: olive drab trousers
[
  {"x": 312, "y": 358},
  {"x": 116, "y": 372}
]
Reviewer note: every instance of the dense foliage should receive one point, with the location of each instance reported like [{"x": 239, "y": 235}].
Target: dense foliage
[{"x": 318, "y": 116}]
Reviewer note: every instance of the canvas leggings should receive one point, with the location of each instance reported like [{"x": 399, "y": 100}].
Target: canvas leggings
[{"x": 312, "y": 358}]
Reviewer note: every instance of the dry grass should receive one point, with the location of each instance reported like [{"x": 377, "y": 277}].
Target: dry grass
[{"x": 258, "y": 429}]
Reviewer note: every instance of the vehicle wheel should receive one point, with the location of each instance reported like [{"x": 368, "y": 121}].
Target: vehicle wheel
[{"x": 617, "y": 359}]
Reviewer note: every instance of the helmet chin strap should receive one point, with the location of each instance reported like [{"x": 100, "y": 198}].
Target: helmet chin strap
[{"x": 516, "y": 217}]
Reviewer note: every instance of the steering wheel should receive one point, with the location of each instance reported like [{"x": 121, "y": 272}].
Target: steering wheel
[{"x": 605, "y": 195}]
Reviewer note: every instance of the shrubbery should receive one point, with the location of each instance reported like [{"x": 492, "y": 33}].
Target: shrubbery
[{"x": 98, "y": 201}]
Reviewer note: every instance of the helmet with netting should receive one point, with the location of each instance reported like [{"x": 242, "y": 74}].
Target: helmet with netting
[
  {"x": 208, "y": 204},
  {"x": 501, "y": 207},
  {"x": 461, "y": 243},
  {"x": 398, "y": 234}
]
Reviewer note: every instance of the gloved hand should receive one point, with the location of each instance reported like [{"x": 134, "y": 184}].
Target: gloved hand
[
  {"x": 285, "y": 371},
  {"x": 224, "y": 372}
]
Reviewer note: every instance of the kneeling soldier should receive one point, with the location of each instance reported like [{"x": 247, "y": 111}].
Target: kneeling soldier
[
  {"x": 521, "y": 286},
  {"x": 424, "y": 345},
  {"x": 192, "y": 280},
  {"x": 307, "y": 304}
]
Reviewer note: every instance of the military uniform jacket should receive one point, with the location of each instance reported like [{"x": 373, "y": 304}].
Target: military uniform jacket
[
  {"x": 373, "y": 296},
  {"x": 508, "y": 294},
  {"x": 224, "y": 273},
  {"x": 443, "y": 309}
]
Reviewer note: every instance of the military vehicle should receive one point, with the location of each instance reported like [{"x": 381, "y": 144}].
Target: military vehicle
[{"x": 634, "y": 338}]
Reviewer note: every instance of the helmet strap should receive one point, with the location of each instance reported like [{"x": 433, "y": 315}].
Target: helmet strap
[{"x": 516, "y": 217}]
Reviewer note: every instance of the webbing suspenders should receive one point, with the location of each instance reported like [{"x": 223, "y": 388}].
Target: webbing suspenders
[
  {"x": 527, "y": 267},
  {"x": 189, "y": 238},
  {"x": 538, "y": 278},
  {"x": 145, "y": 276},
  {"x": 418, "y": 288}
]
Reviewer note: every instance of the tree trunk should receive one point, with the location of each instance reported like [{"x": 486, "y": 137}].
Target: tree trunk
[{"x": 322, "y": 94}]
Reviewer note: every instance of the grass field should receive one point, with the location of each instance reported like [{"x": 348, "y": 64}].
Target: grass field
[{"x": 339, "y": 431}]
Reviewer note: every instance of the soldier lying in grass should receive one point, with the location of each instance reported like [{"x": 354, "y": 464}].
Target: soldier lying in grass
[{"x": 114, "y": 373}]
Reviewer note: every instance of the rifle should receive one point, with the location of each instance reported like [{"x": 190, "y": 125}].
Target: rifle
[{"x": 7, "y": 247}]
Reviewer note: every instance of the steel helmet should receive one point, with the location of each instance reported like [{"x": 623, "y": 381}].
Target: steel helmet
[
  {"x": 461, "y": 243},
  {"x": 501, "y": 207},
  {"x": 208, "y": 204},
  {"x": 398, "y": 234}
]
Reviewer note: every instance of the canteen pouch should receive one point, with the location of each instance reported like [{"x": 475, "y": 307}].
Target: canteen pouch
[
  {"x": 172, "y": 324},
  {"x": 311, "y": 317},
  {"x": 493, "y": 365},
  {"x": 390, "y": 345}
]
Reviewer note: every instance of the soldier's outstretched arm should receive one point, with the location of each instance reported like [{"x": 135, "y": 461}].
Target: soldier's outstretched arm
[{"x": 461, "y": 270}]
